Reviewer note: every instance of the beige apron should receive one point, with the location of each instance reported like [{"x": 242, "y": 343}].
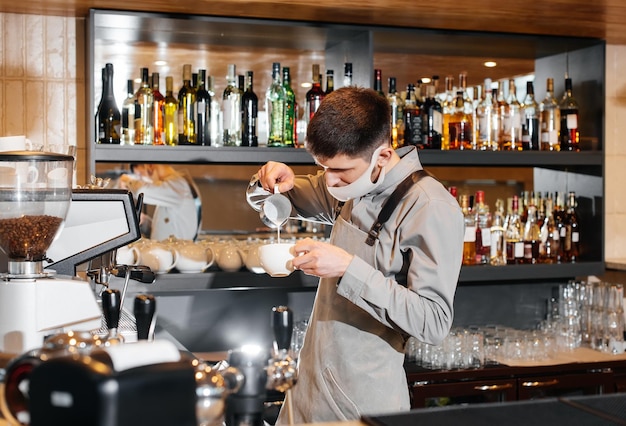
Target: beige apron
[{"x": 350, "y": 364}]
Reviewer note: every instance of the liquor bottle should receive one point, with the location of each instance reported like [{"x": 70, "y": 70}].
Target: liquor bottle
[
  {"x": 501, "y": 115},
  {"x": 275, "y": 103},
  {"x": 469, "y": 239},
  {"x": 397, "y": 115},
  {"x": 108, "y": 118},
  {"x": 216, "y": 114},
  {"x": 158, "y": 111},
  {"x": 569, "y": 136},
  {"x": 347, "y": 74},
  {"x": 486, "y": 115},
  {"x": 572, "y": 234},
  {"x": 512, "y": 121},
  {"x": 250, "y": 113},
  {"x": 432, "y": 120},
  {"x": 203, "y": 111},
  {"x": 530, "y": 125},
  {"x": 559, "y": 218},
  {"x": 483, "y": 229},
  {"x": 128, "y": 115},
  {"x": 412, "y": 119},
  {"x": 378, "y": 82},
  {"x": 498, "y": 245},
  {"x": 186, "y": 113},
  {"x": 460, "y": 126},
  {"x": 513, "y": 235},
  {"x": 448, "y": 107},
  {"x": 330, "y": 81},
  {"x": 241, "y": 83},
  {"x": 315, "y": 95},
  {"x": 144, "y": 115},
  {"x": 170, "y": 113},
  {"x": 549, "y": 235},
  {"x": 532, "y": 236},
  {"x": 231, "y": 107},
  {"x": 289, "y": 134},
  {"x": 550, "y": 119}
]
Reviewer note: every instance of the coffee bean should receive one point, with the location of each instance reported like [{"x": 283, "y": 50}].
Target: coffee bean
[{"x": 28, "y": 237}]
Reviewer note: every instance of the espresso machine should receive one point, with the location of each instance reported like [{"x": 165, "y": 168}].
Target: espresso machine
[{"x": 40, "y": 294}]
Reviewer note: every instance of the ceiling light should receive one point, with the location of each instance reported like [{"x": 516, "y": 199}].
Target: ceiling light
[
  {"x": 426, "y": 80},
  {"x": 160, "y": 63},
  {"x": 490, "y": 64}
]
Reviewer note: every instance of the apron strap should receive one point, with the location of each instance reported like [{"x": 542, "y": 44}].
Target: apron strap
[{"x": 392, "y": 202}]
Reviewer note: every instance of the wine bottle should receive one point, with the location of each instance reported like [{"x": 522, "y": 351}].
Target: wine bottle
[
  {"x": 397, "y": 115},
  {"x": 315, "y": 95},
  {"x": 128, "y": 115},
  {"x": 108, "y": 118},
  {"x": 250, "y": 113},
  {"x": 572, "y": 233},
  {"x": 347, "y": 74},
  {"x": 289, "y": 134},
  {"x": 216, "y": 114},
  {"x": 412, "y": 119},
  {"x": 330, "y": 81},
  {"x": 203, "y": 111},
  {"x": 144, "y": 116},
  {"x": 530, "y": 125},
  {"x": 432, "y": 120},
  {"x": 170, "y": 113},
  {"x": 275, "y": 103},
  {"x": 231, "y": 106},
  {"x": 550, "y": 117},
  {"x": 158, "y": 111},
  {"x": 378, "y": 82},
  {"x": 569, "y": 136},
  {"x": 186, "y": 113}
]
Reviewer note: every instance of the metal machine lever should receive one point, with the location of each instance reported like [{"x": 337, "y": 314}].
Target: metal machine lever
[{"x": 144, "y": 309}]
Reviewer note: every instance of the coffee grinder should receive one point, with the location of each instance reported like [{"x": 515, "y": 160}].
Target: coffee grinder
[{"x": 35, "y": 195}]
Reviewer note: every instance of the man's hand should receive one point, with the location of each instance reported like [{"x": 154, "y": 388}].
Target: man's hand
[
  {"x": 321, "y": 259},
  {"x": 273, "y": 173}
]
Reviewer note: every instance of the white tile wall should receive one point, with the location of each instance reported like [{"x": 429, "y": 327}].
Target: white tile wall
[{"x": 42, "y": 95}]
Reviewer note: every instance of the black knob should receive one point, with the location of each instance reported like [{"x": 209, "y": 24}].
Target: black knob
[
  {"x": 282, "y": 325},
  {"x": 144, "y": 308},
  {"x": 111, "y": 301}
]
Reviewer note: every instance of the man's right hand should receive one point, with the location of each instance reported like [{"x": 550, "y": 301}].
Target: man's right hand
[{"x": 273, "y": 173}]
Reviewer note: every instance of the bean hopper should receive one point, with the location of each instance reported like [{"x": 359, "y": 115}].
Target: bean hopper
[{"x": 35, "y": 195}]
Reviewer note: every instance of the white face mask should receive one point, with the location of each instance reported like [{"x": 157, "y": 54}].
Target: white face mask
[{"x": 363, "y": 185}]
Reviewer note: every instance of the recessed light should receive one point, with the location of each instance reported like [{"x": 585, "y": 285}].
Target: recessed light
[
  {"x": 426, "y": 80},
  {"x": 160, "y": 63},
  {"x": 306, "y": 85},
  {"x": 490, "y": 64}
]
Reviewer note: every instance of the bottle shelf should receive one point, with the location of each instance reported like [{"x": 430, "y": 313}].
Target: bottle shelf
[
  {"x": 525, "y": 273},
  {"x": 259, "y": 155}
]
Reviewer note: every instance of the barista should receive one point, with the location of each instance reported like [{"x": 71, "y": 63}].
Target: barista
[{"x": 175, "y": 196}]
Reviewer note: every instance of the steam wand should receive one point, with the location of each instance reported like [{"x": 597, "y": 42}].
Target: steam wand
[{"x": 282, "y": 372}]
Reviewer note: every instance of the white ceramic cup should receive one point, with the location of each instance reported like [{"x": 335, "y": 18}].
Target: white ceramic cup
[
  {"x": 276, "y": 259},
  {"x": 127, "y": 256},
  {"x": 15, "y": 143},
  {"x": 194, "y": 258},
  {"x": 158, "y": 257}
]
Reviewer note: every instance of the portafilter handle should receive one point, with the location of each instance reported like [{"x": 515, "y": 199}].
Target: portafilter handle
[
  {"x": 282, "y": 325},
  {"x": 144, "y": 309},
  {"x": 112, "y": 308}
]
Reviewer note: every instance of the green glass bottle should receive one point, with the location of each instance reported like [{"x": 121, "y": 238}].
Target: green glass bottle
[
  {"x": 290, "y": 111},
  {"x": 275, "y": 99}
]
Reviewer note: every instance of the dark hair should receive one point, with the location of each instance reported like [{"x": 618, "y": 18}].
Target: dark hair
[{"x": 352, "y": 121}]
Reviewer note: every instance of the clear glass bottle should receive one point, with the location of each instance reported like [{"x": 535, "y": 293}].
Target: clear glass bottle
[
  {"x": 532, "y": 236},
  {"x": 275, "y": 104},
  {"x": 315, "y": 95},
  {"x": 501, "y": 116},
  {"x": 569, "y": 136},
  {"x": 158, "y": 111},
  {"x": 469, "y": 239},
  {"x": 330, "y": 82},
  {"x": 498, "y": 246},
  {"x": 571, "y": 244},
  {"x": 289, "y": 134},
  {"x": 530, "y": 125},
  {"x": 203, "y": 110},
  {"x": 128, "y": 115},
  {"x": 448, "y": 106},
  {"x": 460, "y": 125},
  {"x": 549, "y": 235},
  {"x": 397, "y": 114},
  {"x": 170, "y": 113},
  {"x": 108, "y": 118},
  {"x": 486, "y": 116},
  {"x": 231, "y": 109},
  {"x": 514, "y": 234},
  {"x": 347, "y": 74},
  {"x": 186, "y": 113},
  {"x": 550, "y": 119},
  {"x": 215, "y": 125},
  {"x": 250, "y": 113},
  {"x": 483, "y": 228},
  {"x": 512, "y": 121},
  {"x": 144, "y": 116}
]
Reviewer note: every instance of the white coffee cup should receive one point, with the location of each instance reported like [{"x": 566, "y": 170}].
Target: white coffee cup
[
  {"x": 15, "y": 143},
  {"x": 127, "y": 255},
  {"x": 194, "y": 258},
  {"x": 276, "y": 259}
]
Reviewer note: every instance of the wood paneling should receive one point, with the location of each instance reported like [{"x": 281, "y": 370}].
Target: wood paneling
[{"x": 600, "y": 18}]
